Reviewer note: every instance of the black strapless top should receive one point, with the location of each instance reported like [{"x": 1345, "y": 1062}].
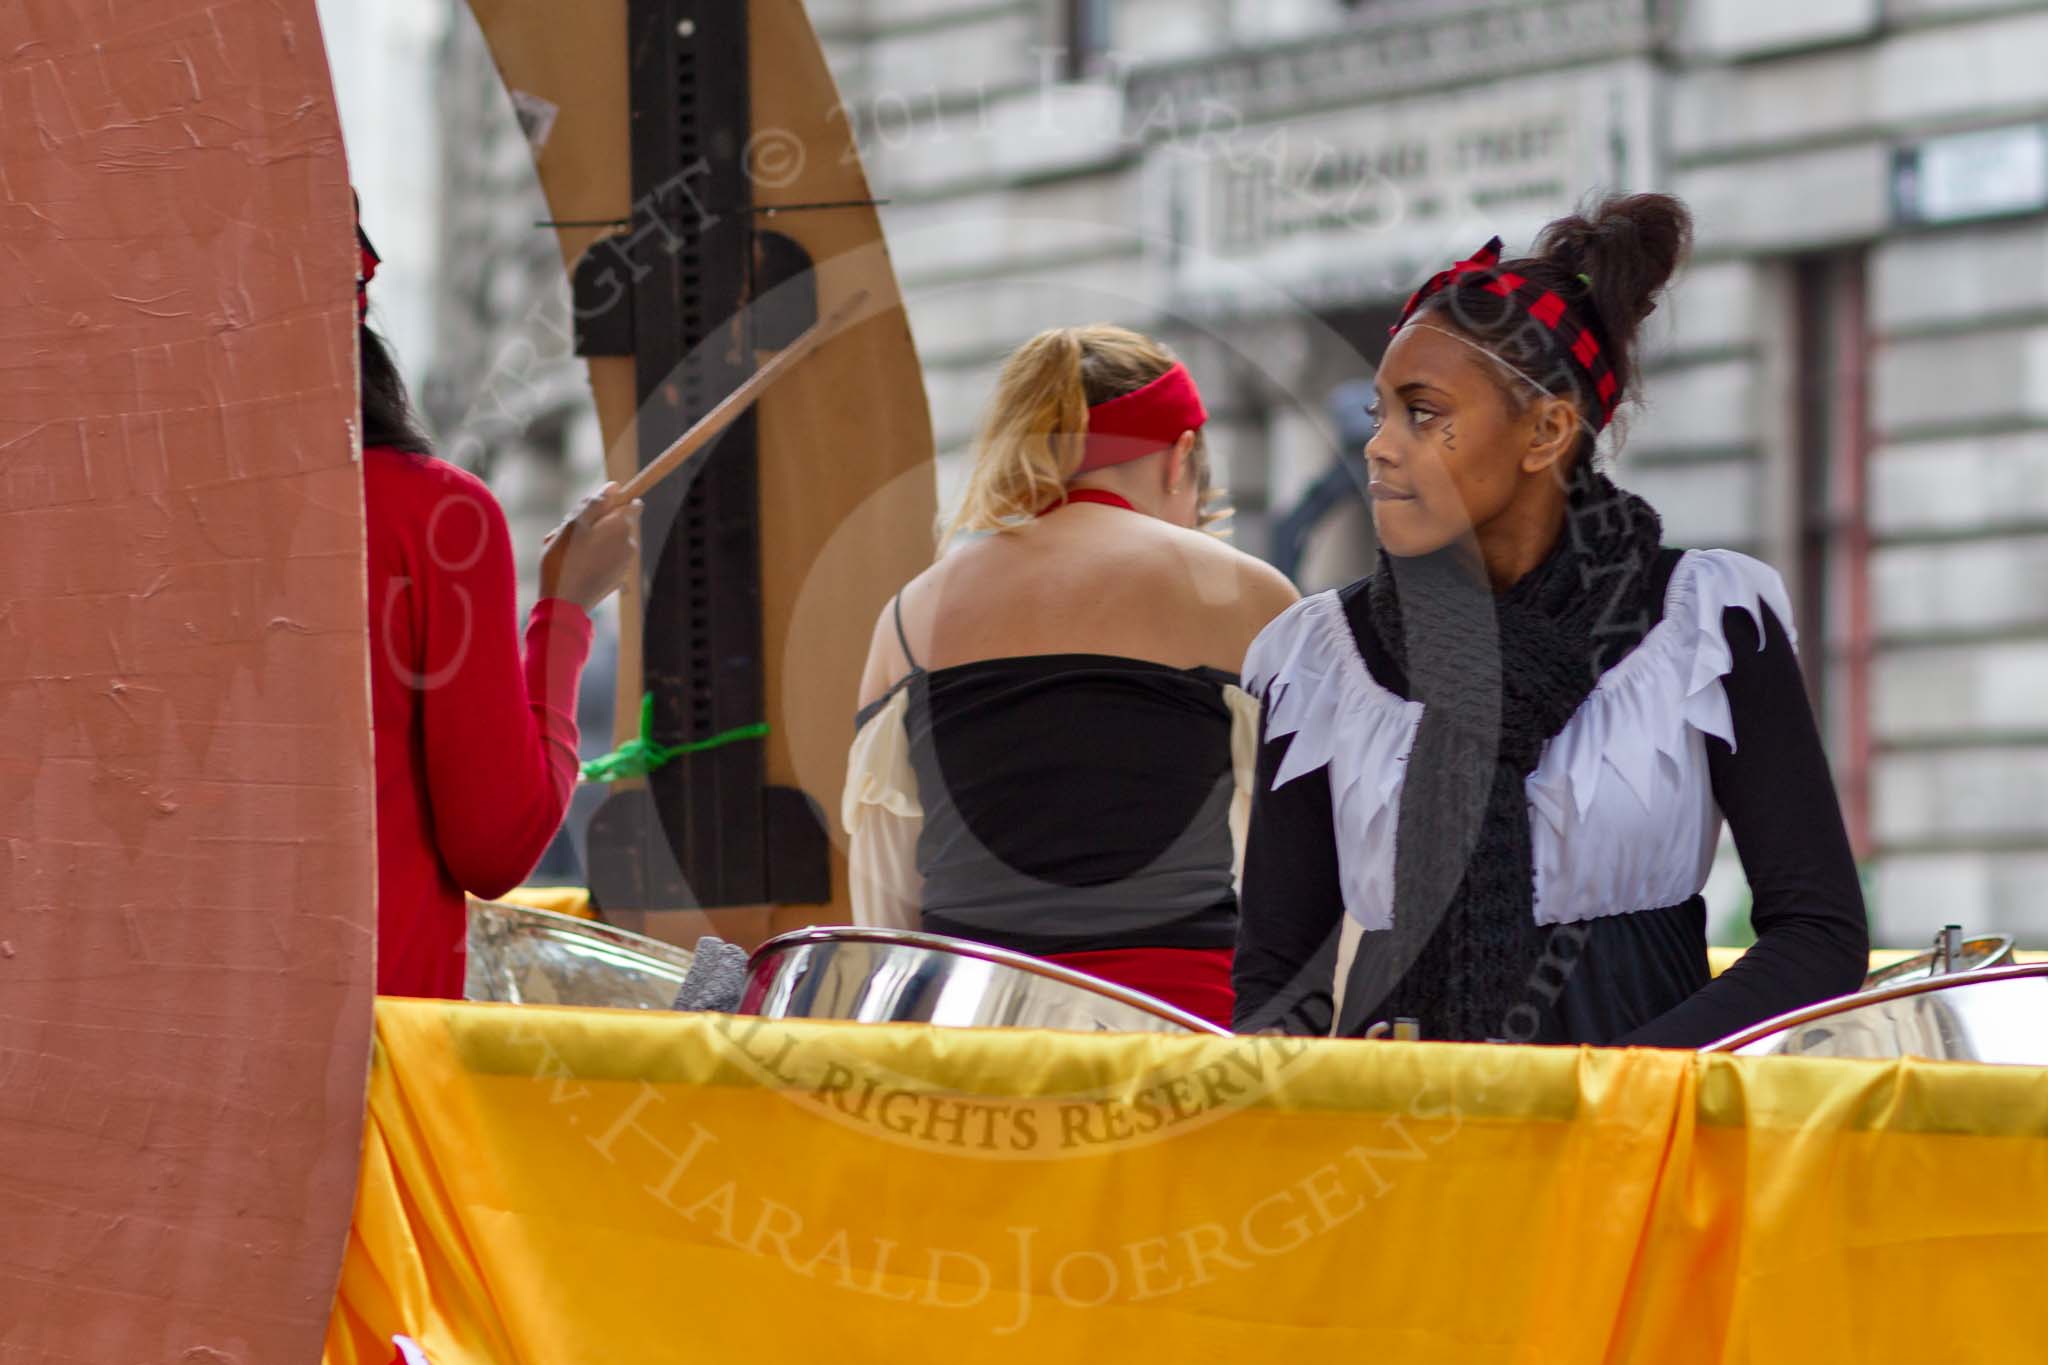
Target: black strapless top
[{"x": 1074, "y": 802}]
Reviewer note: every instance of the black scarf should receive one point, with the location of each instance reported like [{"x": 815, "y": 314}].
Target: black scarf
[{"x": 1498, "y": 676}]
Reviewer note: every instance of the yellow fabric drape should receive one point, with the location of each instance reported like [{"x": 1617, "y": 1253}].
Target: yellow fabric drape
[{"x": 559, "y": 1186}]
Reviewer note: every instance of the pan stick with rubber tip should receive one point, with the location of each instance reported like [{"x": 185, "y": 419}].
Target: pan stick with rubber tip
[{"x": 711, "y": 424}]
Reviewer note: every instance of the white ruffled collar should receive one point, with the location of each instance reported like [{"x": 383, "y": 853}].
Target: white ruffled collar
[
  {"x": 1687, "y": 650},
  {"x": 1321, "y": 697}
]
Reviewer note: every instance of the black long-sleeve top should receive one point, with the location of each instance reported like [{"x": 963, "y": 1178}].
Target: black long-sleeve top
[{"x": 1634, "y": 975}]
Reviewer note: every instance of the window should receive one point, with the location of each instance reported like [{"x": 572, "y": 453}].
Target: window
[
  {"x": 1085, "y": 39},
  {"x": 1832, "y": 565}
]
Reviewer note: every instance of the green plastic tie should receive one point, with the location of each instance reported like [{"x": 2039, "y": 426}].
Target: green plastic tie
[{"x": 640, "y": 756}]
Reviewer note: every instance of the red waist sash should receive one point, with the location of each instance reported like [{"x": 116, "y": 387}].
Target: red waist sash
[{"x": 1193, "y": 979}]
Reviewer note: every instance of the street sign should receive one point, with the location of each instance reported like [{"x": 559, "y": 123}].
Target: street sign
[{"x": 1965, "y": 177}]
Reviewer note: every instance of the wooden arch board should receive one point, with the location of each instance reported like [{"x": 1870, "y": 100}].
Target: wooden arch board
[
  {"x": 186, "y": 861},
  {"x": 845, "y": 440}
]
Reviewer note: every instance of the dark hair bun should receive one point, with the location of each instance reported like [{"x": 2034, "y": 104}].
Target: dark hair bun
[{"x": 1628, "y": 246}]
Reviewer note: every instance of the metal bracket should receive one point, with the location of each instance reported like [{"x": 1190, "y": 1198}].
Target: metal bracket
[{"x": 1948, "y": 950}]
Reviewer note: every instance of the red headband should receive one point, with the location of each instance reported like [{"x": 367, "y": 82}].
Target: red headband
[
  {"x": 1142, "y": 421},
  {"x": 1544, "y": 305}
]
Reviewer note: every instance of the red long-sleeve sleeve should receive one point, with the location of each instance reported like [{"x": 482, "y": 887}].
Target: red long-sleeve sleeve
[{"x": 475, "y": 739}]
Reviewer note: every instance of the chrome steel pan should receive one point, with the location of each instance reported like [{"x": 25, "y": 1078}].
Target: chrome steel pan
[
  {"x": 891, "y": 976},
  {"x": 1977, "y": 954},
  {"x": 1989, "y": 1016},
  {"x": 531, "y": 957}
]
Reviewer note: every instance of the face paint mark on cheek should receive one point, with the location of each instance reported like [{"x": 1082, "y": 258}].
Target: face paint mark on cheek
[{"x": 1451, "y": 437}]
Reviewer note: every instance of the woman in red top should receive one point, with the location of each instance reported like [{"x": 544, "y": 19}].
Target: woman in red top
[{"x": 475, "y": 742}]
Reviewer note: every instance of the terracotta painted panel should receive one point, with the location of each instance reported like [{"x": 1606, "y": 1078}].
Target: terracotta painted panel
[{"x": 186, "y": 874}]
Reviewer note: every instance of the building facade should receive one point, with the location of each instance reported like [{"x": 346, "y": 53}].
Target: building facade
[{"x": 1851, "y": 380}]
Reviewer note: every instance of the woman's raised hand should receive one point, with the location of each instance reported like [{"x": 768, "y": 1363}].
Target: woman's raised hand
[{"x": 587, "y": 557}]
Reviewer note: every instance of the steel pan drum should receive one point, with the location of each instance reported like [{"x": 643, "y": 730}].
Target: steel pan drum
[
  {"x": 520, "y": 956},
  {"x": 1989, "y": 1016},
  {"x": 890, "y": 976},
  {"x": 1975, "y": 954}
]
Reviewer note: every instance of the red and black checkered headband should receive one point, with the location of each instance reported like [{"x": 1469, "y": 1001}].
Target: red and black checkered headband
[
  {"x": 1545, "y": 305},
  {"x": 367, "y": 261}
]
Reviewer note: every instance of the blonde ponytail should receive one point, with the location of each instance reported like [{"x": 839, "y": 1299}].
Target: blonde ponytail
[{"x": 1032, "y": 441}]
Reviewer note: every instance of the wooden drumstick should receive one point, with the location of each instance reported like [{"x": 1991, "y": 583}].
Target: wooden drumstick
[{"x": 714, "y": 422}]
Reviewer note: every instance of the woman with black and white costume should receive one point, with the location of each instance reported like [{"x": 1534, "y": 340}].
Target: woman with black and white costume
[{"x": 1492, "y": 774}]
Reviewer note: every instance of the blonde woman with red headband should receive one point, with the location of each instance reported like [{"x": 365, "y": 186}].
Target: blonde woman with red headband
[{"x": 1053, "y": 755}]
